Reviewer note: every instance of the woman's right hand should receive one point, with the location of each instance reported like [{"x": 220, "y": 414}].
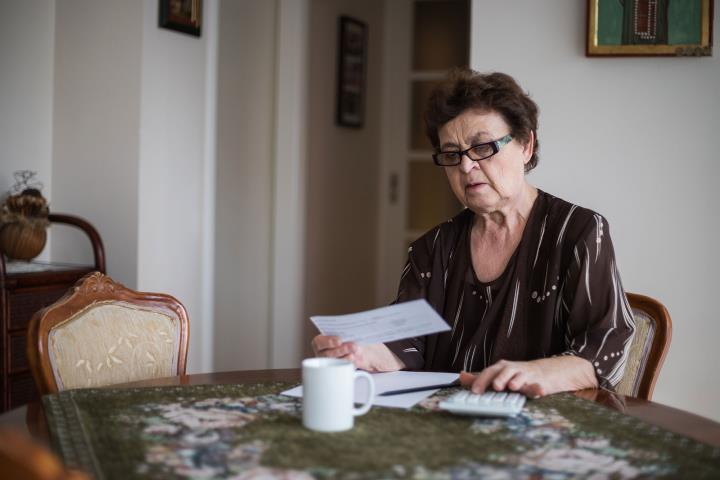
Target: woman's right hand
[
  {"x": 331, "y": 346},
  {"x": 373, "y": 358}
]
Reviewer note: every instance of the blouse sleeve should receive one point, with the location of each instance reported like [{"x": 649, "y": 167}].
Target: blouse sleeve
[
  {"x": 411, "y": 351},
  {"x": 599, "y": 322}
]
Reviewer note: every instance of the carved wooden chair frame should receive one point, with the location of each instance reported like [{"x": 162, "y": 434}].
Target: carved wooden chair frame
[
  {"x": 94, "y": 288},
  {"x": 660, "y": 342}
]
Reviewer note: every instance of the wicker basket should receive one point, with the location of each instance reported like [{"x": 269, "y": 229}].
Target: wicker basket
[{"x": 21, "y": 240}]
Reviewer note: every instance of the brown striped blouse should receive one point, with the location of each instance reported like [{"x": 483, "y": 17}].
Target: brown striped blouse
[{"x": 560, "y": 294}]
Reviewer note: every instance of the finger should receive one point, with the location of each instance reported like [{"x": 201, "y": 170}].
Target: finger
[
  {"x": 467, "y": 379},
  {"x": 517, "y": 382},
  {"x": 503, "y": 377},
  {"x": 349, "y": 357},
  {"x": 485, "y": 378},
  {"x": 533, "y": 390},
  {"x": 352, "y": 346},
  {"x": 341, "y": 351},
  {"x": 356, "y": 358},
  {"x": 323, "y": 342}
]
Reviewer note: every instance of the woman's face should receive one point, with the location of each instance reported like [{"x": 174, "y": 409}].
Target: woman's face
[{"x": 488, "y": 185}]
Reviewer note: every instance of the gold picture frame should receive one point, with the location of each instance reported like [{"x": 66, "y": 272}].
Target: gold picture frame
[
  {"x": 181, "y": 15},
  {"x": 649, "y": 28}
]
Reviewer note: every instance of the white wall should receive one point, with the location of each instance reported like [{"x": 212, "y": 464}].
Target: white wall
[
  {"x": 27, "y": 31},
  {"x": 342, "y": 175},
  {"x": 633, "y": 138},
  {"x": 96, "y": 129},
  {"x": 289, "y": 181},
  {"x": 243, "y": 219},
  {"x": 171, "y": 192},
  {"x": 261, "y": 124},
  {"x": 132, "y": 103}
]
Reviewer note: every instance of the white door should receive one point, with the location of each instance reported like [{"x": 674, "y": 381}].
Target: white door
[{"x": 422, "y": 40}]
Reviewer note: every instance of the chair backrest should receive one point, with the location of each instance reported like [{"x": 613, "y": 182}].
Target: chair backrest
[
  {"x": 102, "y": 333},
  {"x": 653, "y": 331},
  {"x": 23, "y": 459}
]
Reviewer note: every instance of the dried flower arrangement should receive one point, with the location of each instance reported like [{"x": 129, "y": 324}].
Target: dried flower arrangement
[{"x": 24, "y": 219}]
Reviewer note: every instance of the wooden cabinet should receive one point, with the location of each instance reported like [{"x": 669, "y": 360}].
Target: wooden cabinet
[{"x": 25, "y": 288}]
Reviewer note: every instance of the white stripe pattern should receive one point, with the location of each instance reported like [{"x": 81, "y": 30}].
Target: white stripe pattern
[
  {"x": 486, "y": 332},
  {"x": 457, "y": 350},
  {"x": 457, "y": 314},
  {"x": 485, "y": 355},
  {"x": 558, "y": 305},
  {"x": 616, "y": 374},
  {"x": 437, "y": 232},
  {"x": 405, "y": 270},
  {"x": 514, "y": 307},
  {"x": 577, "y": 257},
  {"x": 467, "y": 357},
  {"x": 587, "y": 274},
  {"x": 472, "y": 359},
  {"x": 542, "y": 232},
  {"x": 598, "y": 235},
  {"x": 567, "y": 219}
]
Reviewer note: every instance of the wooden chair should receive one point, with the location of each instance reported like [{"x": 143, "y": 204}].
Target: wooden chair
[
  {"x": 653, "y": 331},
  {"x": 102, "y": 333},
  {"x": 23, "y": 459}
]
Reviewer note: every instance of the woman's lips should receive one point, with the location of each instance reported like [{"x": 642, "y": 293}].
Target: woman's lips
[{"x": 475, "y": 185}]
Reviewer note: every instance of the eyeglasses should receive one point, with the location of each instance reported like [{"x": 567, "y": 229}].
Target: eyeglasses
[{"x": 478, "y": 152}]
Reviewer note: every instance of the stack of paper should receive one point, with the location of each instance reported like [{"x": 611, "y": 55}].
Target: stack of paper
[{"x": 385, "y": 382}]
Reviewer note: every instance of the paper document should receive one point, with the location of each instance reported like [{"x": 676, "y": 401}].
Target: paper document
[
  {"x": 386, "y": 324},
  {"x": 385, "y": 382}
]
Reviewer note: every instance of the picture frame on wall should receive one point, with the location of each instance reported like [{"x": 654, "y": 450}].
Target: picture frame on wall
[
  {"x": 181, "y": 15},
  {"x": 352, "y": 66},
  {"x": 649, "y": 28}
]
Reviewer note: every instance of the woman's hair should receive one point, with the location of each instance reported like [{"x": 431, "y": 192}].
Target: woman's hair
[{"x": 465, "y": 89}]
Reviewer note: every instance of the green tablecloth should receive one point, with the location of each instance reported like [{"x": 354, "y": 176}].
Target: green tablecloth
[{"x": 249, "y": 431}]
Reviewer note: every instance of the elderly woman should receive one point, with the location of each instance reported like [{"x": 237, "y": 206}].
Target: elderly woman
[{"x": 527, "y": 281}]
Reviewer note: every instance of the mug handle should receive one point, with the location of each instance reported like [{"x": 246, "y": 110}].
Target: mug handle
[{"x": 366, "y": 406}]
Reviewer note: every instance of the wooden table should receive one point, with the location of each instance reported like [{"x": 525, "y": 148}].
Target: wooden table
[{"x": 31, "y": 418}]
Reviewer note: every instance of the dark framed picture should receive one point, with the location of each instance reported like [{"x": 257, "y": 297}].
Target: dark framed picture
[
  {"x": 352, "y": 65},
  {"x": 650, "y": 28},
  {"x": 181, "y": 15}
]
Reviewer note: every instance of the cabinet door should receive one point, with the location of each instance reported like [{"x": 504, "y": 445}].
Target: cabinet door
[
  {"x": 25, "y": 302},
  {"x": 22, "y": 390}
]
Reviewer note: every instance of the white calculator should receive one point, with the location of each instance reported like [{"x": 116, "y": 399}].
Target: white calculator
[{"x": 488, "y": 404}]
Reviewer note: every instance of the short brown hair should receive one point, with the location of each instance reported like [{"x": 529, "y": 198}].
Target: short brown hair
[{"x": 465, "y": 89}]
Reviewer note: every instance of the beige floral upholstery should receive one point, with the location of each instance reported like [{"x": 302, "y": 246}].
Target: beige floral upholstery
[
  {"x": 639, "y": 351},
  {"x": 113, "y": 342}
]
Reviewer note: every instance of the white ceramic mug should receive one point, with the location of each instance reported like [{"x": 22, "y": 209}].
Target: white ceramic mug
[{"x": 328, "y": 392}]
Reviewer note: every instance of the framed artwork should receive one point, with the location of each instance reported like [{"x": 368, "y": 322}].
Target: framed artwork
[
  {"x": 649, "y": 28},
  {"x": 352, "y": 65},
  {"x": 181, "y": 15}
]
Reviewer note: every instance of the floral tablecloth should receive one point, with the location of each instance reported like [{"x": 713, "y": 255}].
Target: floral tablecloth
[{"x": 251, "y": 432}]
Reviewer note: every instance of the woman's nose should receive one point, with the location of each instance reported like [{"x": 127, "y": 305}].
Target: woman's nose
[{"x": 466, "y": 164}]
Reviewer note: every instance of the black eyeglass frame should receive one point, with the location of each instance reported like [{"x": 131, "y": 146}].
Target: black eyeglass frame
[{"x": 496, "y": 145}]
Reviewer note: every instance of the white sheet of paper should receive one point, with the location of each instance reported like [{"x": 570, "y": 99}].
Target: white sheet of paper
[
  {"x": 386, "y": 324},
  {"x": 385, "y": 382}
]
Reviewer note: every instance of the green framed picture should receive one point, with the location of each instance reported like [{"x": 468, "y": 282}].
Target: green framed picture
[{"x": 649, "y": 28}]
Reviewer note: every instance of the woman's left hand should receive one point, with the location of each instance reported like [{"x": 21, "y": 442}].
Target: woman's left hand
[
  {"x": 523, "y": 377},
  {"x": 534, "y": 378}
]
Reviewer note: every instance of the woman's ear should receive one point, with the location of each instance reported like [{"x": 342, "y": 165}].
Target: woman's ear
[{"x": 529, "y": 147}]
